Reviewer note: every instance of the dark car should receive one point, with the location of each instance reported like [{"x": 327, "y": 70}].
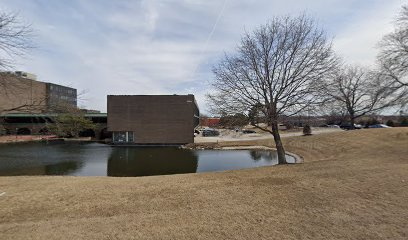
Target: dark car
[
  {"x": 246, "y": 131},
  {"x": 210, "y": 132},
  {"x": 347, "y": 126}
]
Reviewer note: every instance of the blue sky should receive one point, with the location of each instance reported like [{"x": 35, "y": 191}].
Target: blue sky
[{"x": 169, "y": 46}]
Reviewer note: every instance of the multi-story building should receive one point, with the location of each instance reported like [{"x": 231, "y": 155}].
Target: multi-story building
[
  {"x": 152, "y": 119},
  {"x": 21, "y": 92}
]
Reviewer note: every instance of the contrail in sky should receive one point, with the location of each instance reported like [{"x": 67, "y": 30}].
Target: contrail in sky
[
  {"x": 215, "y": 26},
  {"x": 204, "y": 49}
]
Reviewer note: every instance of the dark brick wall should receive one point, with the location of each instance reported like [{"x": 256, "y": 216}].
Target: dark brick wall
[{"x": 154, "y": 119}]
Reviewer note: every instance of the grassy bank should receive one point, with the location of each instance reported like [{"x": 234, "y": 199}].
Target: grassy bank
[{"x": 352, "y": 185}]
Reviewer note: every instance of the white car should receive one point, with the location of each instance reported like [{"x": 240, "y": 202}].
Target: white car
[
  {"x": 378, "y": 126},
  {"x": 333, "y": 126}
]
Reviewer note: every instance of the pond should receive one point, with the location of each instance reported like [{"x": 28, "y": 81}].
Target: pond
[{"x": 96, "y": 159}]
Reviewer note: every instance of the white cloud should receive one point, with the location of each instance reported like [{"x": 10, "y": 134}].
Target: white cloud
[
  {"x": 357, "y": 42},
  {"x": 165, "y": 46}
]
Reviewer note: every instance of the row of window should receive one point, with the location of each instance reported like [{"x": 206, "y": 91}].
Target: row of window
[
  {"x": 63, "y": 97},
  {"x": 61, "y": 89}
]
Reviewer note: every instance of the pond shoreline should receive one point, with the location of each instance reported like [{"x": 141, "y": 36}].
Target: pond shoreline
[
  {"x": 80, "y": 158},
  {"x": 218, "y": 146},
  {"x": 13, "y": 139}
]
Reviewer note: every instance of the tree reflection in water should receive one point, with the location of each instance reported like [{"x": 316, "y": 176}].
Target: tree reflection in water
[
  {"x": 268, "y": 156},
  {"x": 63, "y": 168}
]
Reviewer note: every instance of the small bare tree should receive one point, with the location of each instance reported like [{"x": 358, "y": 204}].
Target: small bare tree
[
  {"x": 276, "y": 71},
  {"x": 393, "y": 57},
  {"x": 359, "y": 91}
]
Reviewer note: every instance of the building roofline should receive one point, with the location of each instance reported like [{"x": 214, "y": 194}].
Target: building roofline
[
  {"x": 48, "y": 114},
  {"x": 153, "y": 95}
]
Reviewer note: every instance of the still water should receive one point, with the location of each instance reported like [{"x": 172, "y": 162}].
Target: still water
[{"x": 95, "y": 159}]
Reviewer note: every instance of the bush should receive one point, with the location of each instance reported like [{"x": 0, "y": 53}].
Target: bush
[
  {"x": 390, "y": 123},
  {"x": 370, "y": 122},
  {"x": 307, "y": 130},
  {"x": 289, "y": 126},
  {"x": 404, "y": 122}
]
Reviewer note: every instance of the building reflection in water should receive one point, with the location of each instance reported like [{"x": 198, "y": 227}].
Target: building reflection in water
[{"x": 148, "y": 161}]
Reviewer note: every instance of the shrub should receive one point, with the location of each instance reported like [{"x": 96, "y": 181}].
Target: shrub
[
  {"x": 289, "y": 125},
  {"x": 307, "y": 130},
  {"x": 390, "y": 123},
  {"x": 404, "y": 122}
]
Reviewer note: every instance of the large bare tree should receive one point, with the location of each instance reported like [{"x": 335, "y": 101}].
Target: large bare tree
[
  {"x": 276, "y": 71},
  {"x": 359, "y": 91},
  {"x": 393, "y": 57},
  {"x": 15, "y": 40}
]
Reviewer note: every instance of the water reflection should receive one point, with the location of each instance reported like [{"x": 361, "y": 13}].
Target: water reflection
[
  {"x": 62, "y": 168},
  {"x": 134, "y": 162},
  {"x": 95, "y": 159},
  {"x": 268, "y": 156},
  {"x": 49, "y": 158},
  {"x": 37, "y": 159}
]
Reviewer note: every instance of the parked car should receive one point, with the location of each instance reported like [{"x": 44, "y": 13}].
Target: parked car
[
  {"x": 347, "y": 126},
  {"x": 247, "y": 131},
  {"x": 210, "y": 132},
  {"x": 196, "y": 132},
  {"x": 378, "y": 126},
  {"x": 330, "y": 126},
  {"x": 358, "y": 126},
  {"x": 333, "y": 126}
]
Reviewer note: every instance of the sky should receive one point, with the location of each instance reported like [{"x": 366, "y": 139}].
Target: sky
[{"x": 131, "y": 47}]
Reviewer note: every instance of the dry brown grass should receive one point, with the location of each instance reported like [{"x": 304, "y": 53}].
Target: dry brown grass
[{"x": 353, "y": 185}]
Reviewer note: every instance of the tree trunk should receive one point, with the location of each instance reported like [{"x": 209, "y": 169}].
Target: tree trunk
[
  {"x": 352, "y": 122},
  {"x": 278, "y": 143}
]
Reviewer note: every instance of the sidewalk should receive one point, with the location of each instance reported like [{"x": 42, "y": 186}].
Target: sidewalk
[{"x": 229, "y": 135}]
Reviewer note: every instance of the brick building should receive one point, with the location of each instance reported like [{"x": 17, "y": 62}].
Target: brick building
[
  {"x": 210, "y": 121},
  {"x": 21, "y": 92},
  {"x": 152, "y": 119}
]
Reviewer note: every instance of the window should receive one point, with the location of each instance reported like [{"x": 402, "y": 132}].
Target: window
[
  {"x": 123, "y": 137},
  {"x": 130, "y": 136}
]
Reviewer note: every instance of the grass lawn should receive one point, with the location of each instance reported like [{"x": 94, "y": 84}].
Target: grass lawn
[{"x": 352, "y": 185}]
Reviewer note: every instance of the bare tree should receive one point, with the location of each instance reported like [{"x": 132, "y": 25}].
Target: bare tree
[
  {"x": 276, "y": 71},
  {"x": 393, "y": 58},
  {"x": 15, "y": 40},
  {"x": 359, "y": 91}
]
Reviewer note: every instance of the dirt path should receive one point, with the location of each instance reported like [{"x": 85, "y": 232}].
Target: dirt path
[
  {"x": 24, "y": 138},
  {"x": 352, "y": 185}
]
